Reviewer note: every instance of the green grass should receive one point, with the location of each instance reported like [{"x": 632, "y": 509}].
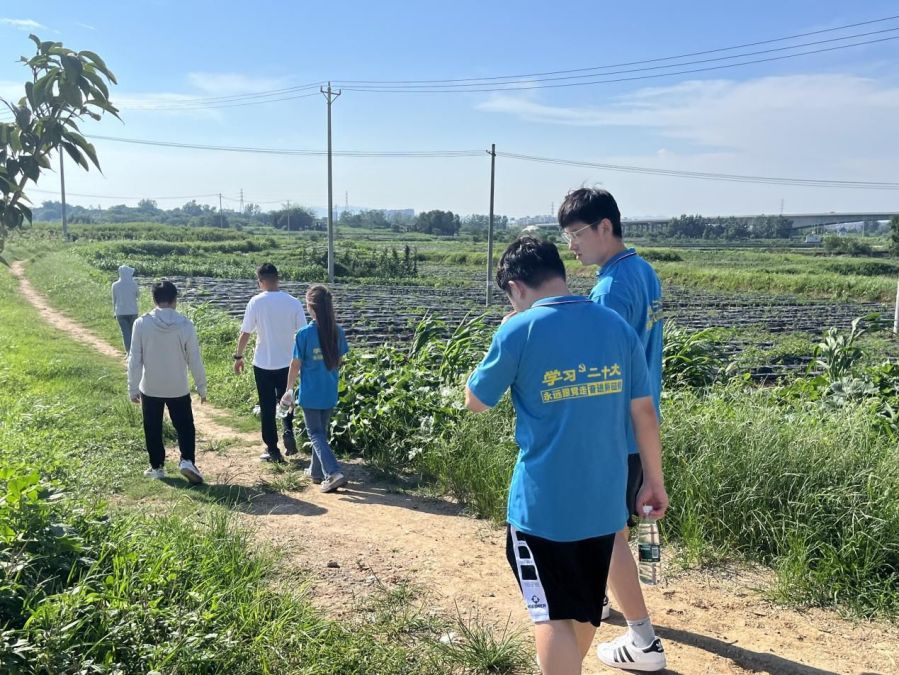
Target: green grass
[
  {"x": 805, "y": 489},
  {"x": 88, "y": 588}
]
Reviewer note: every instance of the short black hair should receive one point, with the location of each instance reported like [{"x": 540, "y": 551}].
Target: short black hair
[
  {"x": 590, "y": 206},
  {"x": 530, "y": 261},
  {"x": 164, "y": 292},
  {"x": 267, "y": 271}
]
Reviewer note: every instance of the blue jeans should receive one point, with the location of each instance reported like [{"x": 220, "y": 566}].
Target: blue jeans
[
  {"x": 126, "y": 323},
  {"x": 324, "y": 463}
]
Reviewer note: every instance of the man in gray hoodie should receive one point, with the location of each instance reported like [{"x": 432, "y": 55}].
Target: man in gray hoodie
[
  {"x": 163, "y": 348},
  {"x": 124, "y": 302}
]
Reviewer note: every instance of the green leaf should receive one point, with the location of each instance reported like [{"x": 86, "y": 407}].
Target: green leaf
[
  {"x": 101, "y": 65},
  {"x": 75, "y": 154},
  {"x": 97, "y": 81},
  {"x": 73, "y": 68},
  {"x": 35, "y": 39},
  {"x": 71, "y": 95},
  {"x": 29, "y": 92},
  {"x": 83, "y": 144}
]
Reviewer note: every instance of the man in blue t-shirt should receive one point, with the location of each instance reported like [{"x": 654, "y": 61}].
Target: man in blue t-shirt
[
  {"x": 575, "y": 398},
  {"x": 591, "y": 224}
]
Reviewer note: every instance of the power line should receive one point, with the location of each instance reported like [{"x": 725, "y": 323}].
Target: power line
[
  {"x": 632, "y": 63},
  {"x": 701, "y": 175},
  {"x": 94, "y": 196},
  {"x": 237, "y": 104},
  {"x": 526, "y": 86},
  {"x": 661, "y": 67},
  {"x": 294, "y": 152}
]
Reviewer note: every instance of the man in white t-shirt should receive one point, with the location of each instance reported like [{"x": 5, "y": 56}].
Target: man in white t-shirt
[{"x": 275, "y": 316}]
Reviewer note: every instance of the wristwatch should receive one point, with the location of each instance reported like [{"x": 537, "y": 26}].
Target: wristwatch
[{"x": 238, "y": 357}]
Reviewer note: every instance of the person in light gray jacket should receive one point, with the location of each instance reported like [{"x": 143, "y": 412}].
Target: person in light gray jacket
[
  {"x": 125, "y": 294},
  {"x": 164, "y": 346}
]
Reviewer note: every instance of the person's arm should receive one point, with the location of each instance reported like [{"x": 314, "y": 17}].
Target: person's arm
[
  {"x": 295, "y": 365},
  {"x": 246, "y": 329},
  {"x": 135, "y": 363},
  {"x": 195, "y": 363},
  {"x": 649, "y": 443},
  {"x": 473, "y": 403},
  {"x": 241, "y": 348},
  {"x": 496, "y": 372}
]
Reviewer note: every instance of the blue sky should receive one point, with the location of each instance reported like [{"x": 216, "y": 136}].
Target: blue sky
[{"x": 832, "y": 115}]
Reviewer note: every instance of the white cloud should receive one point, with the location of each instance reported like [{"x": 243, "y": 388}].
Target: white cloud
[
  {"x": 85, "y": 25},
  {"x": 228, "y": 84},
  {"x": 22, "y": 24},
  {"x": 817, "y": 114}
]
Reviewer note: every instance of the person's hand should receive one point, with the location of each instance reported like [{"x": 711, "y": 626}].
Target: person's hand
[
  {"x": 654, "y": 495},
  {"x": 238, "y": 366},
  {"x": 287, "y": 399},
  {"x": 135, "y": 398}
]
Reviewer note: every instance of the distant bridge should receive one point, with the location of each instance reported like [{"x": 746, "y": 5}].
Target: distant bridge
[{"x": 801, "y": 221}]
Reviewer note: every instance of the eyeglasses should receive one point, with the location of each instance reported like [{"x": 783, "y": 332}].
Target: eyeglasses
[{"x": 571, "y": 236}]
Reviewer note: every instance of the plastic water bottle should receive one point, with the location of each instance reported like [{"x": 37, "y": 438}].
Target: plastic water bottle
[
  {"x": 282, "y": 410},
  {"x": 649, "y": 549}
]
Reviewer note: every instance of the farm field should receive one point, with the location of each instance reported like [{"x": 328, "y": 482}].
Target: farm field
[{"x": 759, "y": 475}]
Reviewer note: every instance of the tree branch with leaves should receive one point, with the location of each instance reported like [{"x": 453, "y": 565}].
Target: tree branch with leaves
[{"x": 65, "y": 87}]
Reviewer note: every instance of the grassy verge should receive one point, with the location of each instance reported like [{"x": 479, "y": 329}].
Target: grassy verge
[
  {"x": 85, "y": 588},
  {"x": 808, "y": 490}
]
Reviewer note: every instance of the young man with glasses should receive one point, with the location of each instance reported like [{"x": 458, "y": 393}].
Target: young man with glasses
[
  {"x": 566, "y": 498},
  {"x": 591, "y": 225}
]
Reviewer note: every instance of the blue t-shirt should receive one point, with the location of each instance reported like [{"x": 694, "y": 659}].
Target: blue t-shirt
[
  {"x": 318, "y": 385},
  {"x": 629, "y": 285},
  {"x": 572, "y": 395}
]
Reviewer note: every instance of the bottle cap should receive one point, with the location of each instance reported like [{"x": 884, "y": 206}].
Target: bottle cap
[{"x": 647, "y": 509}]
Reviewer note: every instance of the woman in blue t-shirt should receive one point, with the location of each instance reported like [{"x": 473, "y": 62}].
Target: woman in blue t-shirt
[{"x": 317, "y": 354}]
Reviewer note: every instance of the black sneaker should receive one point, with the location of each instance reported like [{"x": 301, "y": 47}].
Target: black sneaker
[
  {"x": 290, "y": 445},
  {"x": 273, "y": 456}
]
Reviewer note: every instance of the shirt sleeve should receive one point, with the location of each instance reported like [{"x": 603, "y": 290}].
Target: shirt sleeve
[
  {"x": 639, "y": 373},
  {"x": 135, "y": 360},
  {"x": 497, "y": 371},
  {"x": 619, "y": 299},
  {"x": 299, "y": 345},
  {"x": 195, "y": 361},
  {"x": 249, "y": 319}
]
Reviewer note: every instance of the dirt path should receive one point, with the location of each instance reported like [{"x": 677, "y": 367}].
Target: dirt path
[{"x": 712, "y": 623}]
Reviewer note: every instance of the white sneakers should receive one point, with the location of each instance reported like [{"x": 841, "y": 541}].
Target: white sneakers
[
  {"x": 333, "y": 481},
  {"x": 190, "y": 471},
  {"x": 187, "y": 468},
  {"x": 624, "y": 654}
]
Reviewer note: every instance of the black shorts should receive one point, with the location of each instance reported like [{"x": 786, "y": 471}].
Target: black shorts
[
  {"x": 634, "y": 483},
  {"x": 561, "y": 579}
]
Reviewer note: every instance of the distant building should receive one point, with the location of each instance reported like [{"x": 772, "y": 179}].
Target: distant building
[
  {"x": 813, "y": 239},
  {"x": 399, "y": 214}
]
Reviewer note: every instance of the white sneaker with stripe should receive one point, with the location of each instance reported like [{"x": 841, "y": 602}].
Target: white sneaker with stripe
[{"x": 624, "y": 654}]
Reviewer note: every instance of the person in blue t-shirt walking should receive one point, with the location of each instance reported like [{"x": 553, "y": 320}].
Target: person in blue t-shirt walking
[
  {"x": 625, "y": 282},
  {"x": 579, "y": 381},
  {"x": 317, "y": 353}
]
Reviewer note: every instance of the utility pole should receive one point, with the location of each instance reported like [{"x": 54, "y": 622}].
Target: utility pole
[
  {"x": 492, "y": 154},
  {"x": 330, "y": 96},
  {"x": 62, "y": 191},
  {"x": 221, "y": 215},
  {"x": 241, "y": 201},
  {"x": 346, "y": 201},
  {"x": 288, "y": 215}
]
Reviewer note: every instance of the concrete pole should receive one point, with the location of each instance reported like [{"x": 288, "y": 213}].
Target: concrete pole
[{"x": 490, "y": 225}]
